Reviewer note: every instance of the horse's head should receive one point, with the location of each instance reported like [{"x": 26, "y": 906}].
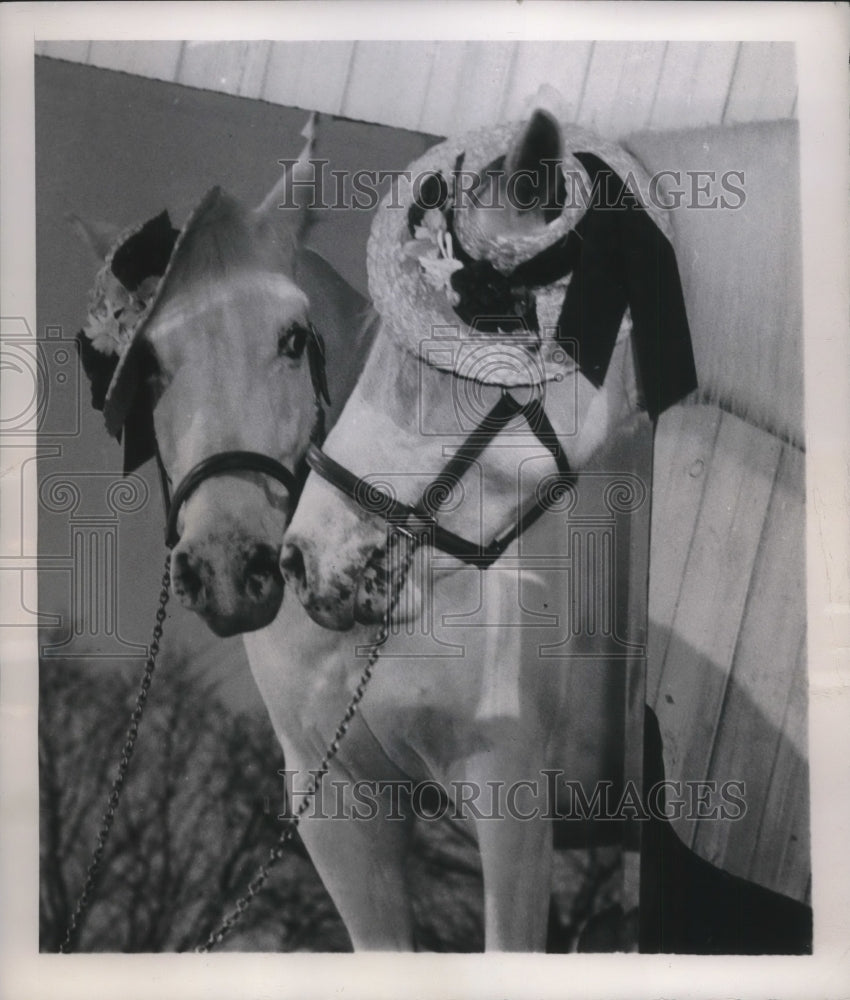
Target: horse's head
[
  {"x": 551, "y": 278},
  {"x": 478, "y": 295},
  {"x": 205, "y": 339}
]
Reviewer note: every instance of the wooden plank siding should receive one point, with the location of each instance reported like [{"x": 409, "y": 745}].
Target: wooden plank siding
[
  {"x": 727, "y": 608},
  {"x": 442, "y": 87}
]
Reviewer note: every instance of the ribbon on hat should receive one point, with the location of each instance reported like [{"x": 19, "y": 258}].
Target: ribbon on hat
[
  {"x": 618, "y": 258},
  {"x": 622, "y": 259}
]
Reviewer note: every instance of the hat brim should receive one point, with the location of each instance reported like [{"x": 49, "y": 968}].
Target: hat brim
[
  {"x": 420, "y": 315},
  {"x": 129, "y": 373}
]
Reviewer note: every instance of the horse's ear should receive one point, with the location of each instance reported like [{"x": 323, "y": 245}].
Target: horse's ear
[
  {"x": 535, "y": 157},
  {"x": 292, "y": 195},
  {"x": 99, "y": 237}
]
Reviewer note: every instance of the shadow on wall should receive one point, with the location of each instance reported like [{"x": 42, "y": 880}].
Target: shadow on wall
[{"x": 690, "y": 907}]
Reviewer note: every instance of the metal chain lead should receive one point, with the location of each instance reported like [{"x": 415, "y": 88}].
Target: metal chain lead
[
  {"x": 123, "y": 765},
  {"x": 277, "y": 852}
]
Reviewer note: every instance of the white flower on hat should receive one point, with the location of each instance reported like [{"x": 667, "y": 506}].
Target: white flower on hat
[
  {"x": 115, "y": 311},
  {"x": 432, "y": 247}
]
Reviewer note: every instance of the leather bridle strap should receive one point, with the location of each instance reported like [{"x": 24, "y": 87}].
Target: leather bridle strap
[
  {"x": 420, "y": 518},
  {"x": 217, "y": 465}
]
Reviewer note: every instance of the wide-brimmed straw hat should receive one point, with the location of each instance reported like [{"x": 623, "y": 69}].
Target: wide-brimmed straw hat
[{"x": 413, "y": 256}]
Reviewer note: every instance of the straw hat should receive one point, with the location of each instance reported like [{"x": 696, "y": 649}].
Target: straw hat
[
  {"x": 412, "y": 269},
  {"x": 145, "y": 266}
]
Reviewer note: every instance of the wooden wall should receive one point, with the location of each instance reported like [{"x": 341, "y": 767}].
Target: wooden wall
[
  {"x": 726, "y": 664},
  {"x": 726, "y": 669},
  {"x": 614, "y": 87}
]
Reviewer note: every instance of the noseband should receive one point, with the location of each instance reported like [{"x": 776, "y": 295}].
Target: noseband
[
  {"x": 420, "y": 519},
  {"x": 225, "y": 462},
  {"x": 216, "y": 465}
]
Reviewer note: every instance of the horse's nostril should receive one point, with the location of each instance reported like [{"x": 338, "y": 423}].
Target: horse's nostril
[
  {"x": 186, "y": 579},
  {"x": 292, "y": 562}
]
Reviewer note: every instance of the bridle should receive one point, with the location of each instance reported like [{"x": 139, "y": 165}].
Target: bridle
[
  {"x": 226, "y": 462},
  {"x": 222, "y": 463},
  {"x": 419, "y": 520}
]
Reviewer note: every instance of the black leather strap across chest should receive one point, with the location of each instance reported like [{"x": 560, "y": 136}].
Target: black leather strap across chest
[{"x": 420, "y": 519}]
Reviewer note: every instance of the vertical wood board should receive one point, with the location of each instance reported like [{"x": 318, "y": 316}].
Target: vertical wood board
[
  {"x": 753, "y": 728},
  {"x": 684, "y": 442},
  {"x": 158, "y": 60},
  {"x": 713, "y": 593}
]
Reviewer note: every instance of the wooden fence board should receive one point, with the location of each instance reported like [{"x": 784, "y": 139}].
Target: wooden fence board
[
  {"x": 765, "y": 82},
  {"x": 443, "y": 87},
  {"x": 311, "y": 75},
  {"x": 158, "y": 60},
  {"x": 255, "y": 69},
  {"x": 694, "y": 84},
  {"x": 223, "y": 62},
  {"x": 750, "y": 733},
  {"x": 713, "y": 594},
  {"x": 484, "y": 82},
  {"x": 77, "y": 51},
  {"x": 782, "y": 854},
  {"x": 562, "y": 66},
  {"x": 388, "y": 82},
  {"x": 684, "y": 441},
  {"x": 621, "y": 84}
]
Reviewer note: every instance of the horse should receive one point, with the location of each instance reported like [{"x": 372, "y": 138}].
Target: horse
[{"x": 473, "y": 436}]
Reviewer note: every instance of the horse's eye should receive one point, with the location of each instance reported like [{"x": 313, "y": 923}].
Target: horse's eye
[{"x": 292, "y": 340}]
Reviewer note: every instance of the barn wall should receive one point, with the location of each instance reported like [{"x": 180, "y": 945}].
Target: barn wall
[
  {"x": 726, "y": 668},
  {"x": 615, "y": 87}
]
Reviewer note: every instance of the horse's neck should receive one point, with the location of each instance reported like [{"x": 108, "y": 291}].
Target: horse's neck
[
  {"x": 404, "y": 386},
  {"x": 344, "y": 319}
]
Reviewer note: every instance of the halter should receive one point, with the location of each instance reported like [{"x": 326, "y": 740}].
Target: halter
[
  {"x": 419, "y": 520},
  {"x": 225, "y": 462},
  {"x": 216, "y": 465}
]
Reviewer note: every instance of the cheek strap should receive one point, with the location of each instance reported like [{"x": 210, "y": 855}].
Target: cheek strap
[{"x": 316, "y": 358}]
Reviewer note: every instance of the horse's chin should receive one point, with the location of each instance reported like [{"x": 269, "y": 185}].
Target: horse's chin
[
  {"x": 248, "y": 618},
  {"x": 370, "y": 613},
  {"x": 332, "y": 615},
  {"x": 371, "y": 600}
]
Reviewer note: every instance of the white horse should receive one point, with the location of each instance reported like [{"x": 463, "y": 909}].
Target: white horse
[{"x": 507, "y": 711}]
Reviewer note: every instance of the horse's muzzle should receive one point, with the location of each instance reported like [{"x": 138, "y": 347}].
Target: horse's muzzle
[
  {"x": 231, "y": 598},
  {"x": 330, "y": 604}
]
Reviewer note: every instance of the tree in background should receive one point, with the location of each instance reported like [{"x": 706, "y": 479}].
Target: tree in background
[{"x": 197, "y": 818}]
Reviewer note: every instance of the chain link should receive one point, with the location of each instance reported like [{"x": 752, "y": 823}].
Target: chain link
[
  {"x": 288, "y": 832},
  {"x": 118, "y": 782}
]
